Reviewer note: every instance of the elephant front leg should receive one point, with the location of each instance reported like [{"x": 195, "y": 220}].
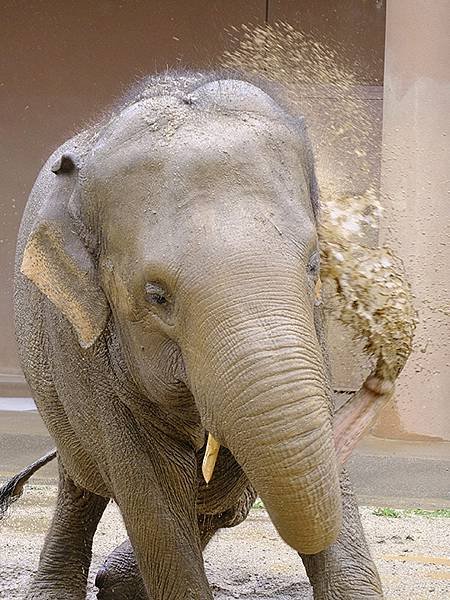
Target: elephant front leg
[
  {"x": 157, "y": 499},
  {"x": 345, "y": 570},
  {"x": 66, "y": 555},
  {"x": 119, "y": 577}
]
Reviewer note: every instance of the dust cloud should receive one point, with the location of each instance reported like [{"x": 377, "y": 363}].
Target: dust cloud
[{"x": 367, "y": 287}]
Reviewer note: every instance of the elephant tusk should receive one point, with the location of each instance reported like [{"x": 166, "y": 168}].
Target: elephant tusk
[
  {"x": 209, "y": 460},
  {"x": 318, "y": 291}
]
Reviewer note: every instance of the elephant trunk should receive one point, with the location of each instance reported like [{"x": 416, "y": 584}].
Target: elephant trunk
[
  {"x": 262, "y": 392},
  {"x": 284, "y": 443}
]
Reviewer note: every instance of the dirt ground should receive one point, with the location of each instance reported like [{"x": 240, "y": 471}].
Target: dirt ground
[{"x": 249, "y": 561}]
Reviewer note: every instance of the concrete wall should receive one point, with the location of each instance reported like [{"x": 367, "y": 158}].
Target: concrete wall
[{"x": 416, "y": 196}]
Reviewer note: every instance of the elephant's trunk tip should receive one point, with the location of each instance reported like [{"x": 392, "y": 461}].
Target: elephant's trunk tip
[
  {"x": 378, "y": 386},
  {"x": 321, "y": 532}
]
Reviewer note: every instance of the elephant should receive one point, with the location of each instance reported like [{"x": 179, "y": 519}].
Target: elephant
[{"x": 167, "y": 289}]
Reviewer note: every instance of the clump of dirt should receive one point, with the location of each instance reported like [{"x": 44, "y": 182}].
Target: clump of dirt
[{"x": 373, "y": 295}]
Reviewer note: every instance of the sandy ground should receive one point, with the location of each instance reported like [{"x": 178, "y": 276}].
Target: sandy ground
[{"x": 249, "y": 561}]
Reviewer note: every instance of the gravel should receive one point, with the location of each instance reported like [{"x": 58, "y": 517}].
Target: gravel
[{"x": 249, "y": 561}]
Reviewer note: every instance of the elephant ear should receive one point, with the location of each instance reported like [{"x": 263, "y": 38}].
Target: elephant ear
[
  {"x": 310, "y": 167},
  {"x": 57, "y": 261}
]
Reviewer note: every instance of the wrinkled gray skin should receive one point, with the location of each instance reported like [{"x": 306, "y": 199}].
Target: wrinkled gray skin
[{"x": 165, "y": 288}]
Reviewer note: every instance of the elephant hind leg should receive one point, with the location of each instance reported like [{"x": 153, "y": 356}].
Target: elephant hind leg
[
  {"x": 66, "y": 555},
  {"x": 119, "y": 577}
]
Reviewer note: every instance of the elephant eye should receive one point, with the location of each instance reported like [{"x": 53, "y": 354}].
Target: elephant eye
[
  {"x": 155, "y": 294},
  {"x": 314, "y": 264}
]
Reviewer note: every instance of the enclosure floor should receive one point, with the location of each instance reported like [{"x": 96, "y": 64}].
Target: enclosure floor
[{"x": 248, "y": 561}]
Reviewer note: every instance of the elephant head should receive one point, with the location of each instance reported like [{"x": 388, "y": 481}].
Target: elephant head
[{"x": 189, "y": 226}]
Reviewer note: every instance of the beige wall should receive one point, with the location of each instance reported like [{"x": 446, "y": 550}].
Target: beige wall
[{"x": 416, "y": 193}]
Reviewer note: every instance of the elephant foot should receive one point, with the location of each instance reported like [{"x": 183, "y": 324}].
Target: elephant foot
[
  {"x": 112, "y": 587},
  {"x": 119, "y": 577},
  {"x": 342, "y": 591}
]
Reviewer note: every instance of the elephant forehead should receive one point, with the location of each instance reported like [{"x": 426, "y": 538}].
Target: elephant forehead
[
  {"x": 142, "y": 173},
  {"x": 234, "y": 134},
  {"x": 209, "y": 144},
  {"x": 165, "y": 113}
]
